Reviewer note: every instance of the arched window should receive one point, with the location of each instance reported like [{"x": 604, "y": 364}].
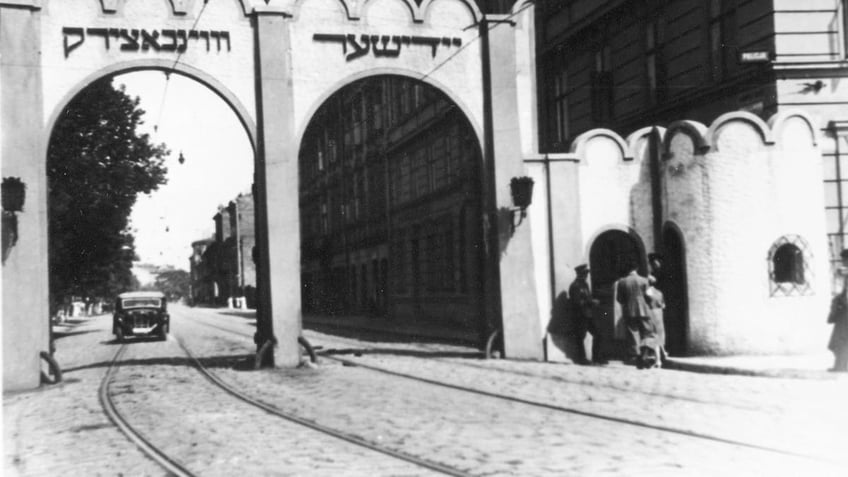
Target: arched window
[
  {"x": 789, "y": 267},
  {"x": 788, "y": 264}
]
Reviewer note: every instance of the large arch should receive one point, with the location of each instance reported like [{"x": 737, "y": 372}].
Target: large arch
[
  {"x": 389, "y": 71},
  {"x": 259, "y": 57},
  {"x": 167, "y": 67},
  {"x": 429, "y": 237}
]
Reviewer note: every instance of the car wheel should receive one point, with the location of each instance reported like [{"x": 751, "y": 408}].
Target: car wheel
[{"x": 119, "y": 335}]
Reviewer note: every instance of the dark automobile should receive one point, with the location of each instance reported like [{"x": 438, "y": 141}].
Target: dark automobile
[{"x": 140, "y": 314}]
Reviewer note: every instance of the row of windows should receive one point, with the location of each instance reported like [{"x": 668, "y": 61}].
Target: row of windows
[
  {"x": 438, "y": 161},
  {"x": 720, "y": 58},
  {"x": 341, "y": 129},
  {"x": 835, "y": 164},
  {"x": 429, "y": 258}
]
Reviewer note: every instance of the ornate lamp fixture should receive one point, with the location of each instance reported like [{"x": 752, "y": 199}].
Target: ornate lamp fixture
[
  {"x": 522, "y": 196},
  {"x": 14, "y": 194},
  {"x": 13, "y": 197}
]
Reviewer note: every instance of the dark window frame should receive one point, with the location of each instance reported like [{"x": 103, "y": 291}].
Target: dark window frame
[{"x": 603, "y": 92}]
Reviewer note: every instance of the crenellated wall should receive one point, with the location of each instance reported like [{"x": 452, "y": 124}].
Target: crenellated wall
[
  {"x": 736, "y": 190},
  {"x": 735, "y": 193}
]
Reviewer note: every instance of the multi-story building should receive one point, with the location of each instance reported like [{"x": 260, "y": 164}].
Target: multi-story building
[
  {"x": 222, "y": 268},
  {"x": 389, "y": 203},
  {"x": 625, "y": 64},
  {"x": 203, "y": 286}
]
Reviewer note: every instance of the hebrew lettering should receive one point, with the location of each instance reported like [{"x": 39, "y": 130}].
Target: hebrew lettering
[
  {"x": 69, "y": 47},
  {"x": 165, "y": 40},
  {"x": 384, "y": 46}
]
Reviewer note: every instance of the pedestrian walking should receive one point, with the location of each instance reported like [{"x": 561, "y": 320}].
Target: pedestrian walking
[
  {"x": 838, "y": 316},
  {"x": 631, "y": 291},
  {"x": 582, "y": 312}
]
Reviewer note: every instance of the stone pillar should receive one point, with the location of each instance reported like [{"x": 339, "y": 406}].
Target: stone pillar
[
  {"x": 566, "y": 231},
  {"x": 277, "y": 214},
  {"x": 26, "y": 320},
  {"x": 511, "y": 280}
]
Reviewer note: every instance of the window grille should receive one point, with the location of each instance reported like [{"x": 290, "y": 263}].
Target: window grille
[{"x": 789, "y": 262}]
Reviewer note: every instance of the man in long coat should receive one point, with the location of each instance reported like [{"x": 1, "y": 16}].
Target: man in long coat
[
  {"x": 630, "y": 293},
  {"x": 582, "y": 312}
]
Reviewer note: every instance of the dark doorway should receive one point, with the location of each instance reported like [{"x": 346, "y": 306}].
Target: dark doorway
[
  {"x": 609, "y": 258},
  {"x": 672, "y": 282}
]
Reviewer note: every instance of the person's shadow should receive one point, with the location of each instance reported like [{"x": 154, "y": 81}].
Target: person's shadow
[{"x": 561, "y": 328}]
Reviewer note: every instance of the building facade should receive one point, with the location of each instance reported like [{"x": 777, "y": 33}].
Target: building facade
[
  {"x": 626, "y": 64},
  {"x": 223, "y": 272},
  {"x": 390, "y": 206}
]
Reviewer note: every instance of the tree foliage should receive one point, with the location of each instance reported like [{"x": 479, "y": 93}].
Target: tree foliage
[
  {"x": 98, "y": 162},
  {"x": 173, "y": 283}
]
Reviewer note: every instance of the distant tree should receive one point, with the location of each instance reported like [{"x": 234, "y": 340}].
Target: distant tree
[
  {"x": 173, "y": 283},
  {"x": 98, "y": 162}
]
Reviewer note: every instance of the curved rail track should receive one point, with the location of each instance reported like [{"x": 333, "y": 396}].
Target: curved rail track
[
  {"x": 174, "y": 467},
  {"x": 163, "y": 459},
  {"x": 549, "y": 406}
]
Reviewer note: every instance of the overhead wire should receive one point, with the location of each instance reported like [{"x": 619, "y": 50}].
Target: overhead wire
[{"x": 174, "y": 68}]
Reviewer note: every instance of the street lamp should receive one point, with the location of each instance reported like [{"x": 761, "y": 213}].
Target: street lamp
[
  {"x": 522, "y": 196},
  {"x": 13, "y": 197},
  {"x": 14, "y": 194}
]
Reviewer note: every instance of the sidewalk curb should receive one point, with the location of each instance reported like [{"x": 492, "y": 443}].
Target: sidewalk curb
[{"x": 679, "y": 365}]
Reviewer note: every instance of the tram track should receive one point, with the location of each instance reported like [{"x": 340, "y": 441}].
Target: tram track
[
  {"x": 168, "y": 463},
  {"x": 352, "y": 347},
  {"x": 329, "y": 354},
  {"x": 174, "y": 467}
]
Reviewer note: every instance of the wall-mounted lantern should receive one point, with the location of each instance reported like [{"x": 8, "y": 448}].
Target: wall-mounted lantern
[
  {"x": 14, "y": 194},
  {"x": 522, "y": 196}
]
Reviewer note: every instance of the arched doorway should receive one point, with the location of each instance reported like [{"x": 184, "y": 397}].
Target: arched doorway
[
  {"x": 390, "y": 185},
  {"x": 609, "y": 258},
  {"x": 673, "y": 284}
]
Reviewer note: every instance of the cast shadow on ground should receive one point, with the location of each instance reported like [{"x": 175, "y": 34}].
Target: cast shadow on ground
[
  {"x": 384, "y": 336},
  {"x": 401, "y": 352},
  {"x": 64, "y": 334},
  {"x": 240, "y": 362}
]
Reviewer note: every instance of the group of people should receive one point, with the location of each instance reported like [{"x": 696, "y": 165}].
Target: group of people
[{"x": 642, "y": 305}]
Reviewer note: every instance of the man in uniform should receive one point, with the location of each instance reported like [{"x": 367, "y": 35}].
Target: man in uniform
[{"x": 582, "y": 312}]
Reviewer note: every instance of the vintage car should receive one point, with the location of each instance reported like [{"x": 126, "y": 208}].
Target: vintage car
[{"x": 140, "y": 314}]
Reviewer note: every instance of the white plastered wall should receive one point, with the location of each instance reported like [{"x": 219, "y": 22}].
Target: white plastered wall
[{"x": 748, "y": 188}]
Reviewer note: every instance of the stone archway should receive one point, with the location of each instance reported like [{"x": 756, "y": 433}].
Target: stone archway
[
  {"x": 390, "y": 183},
  {"x": 263, "y": 53}
]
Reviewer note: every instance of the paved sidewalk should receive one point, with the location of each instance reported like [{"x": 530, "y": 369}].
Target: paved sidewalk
[{"x": 808, "y": 366}]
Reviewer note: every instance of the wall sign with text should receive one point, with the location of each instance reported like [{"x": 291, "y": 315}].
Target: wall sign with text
[
  {"x": 384, "y": 46},
  {"x": 144, "y": 40}
]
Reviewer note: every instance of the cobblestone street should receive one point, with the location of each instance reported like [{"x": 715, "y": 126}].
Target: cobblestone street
[{"x": 434, "y": 402}]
